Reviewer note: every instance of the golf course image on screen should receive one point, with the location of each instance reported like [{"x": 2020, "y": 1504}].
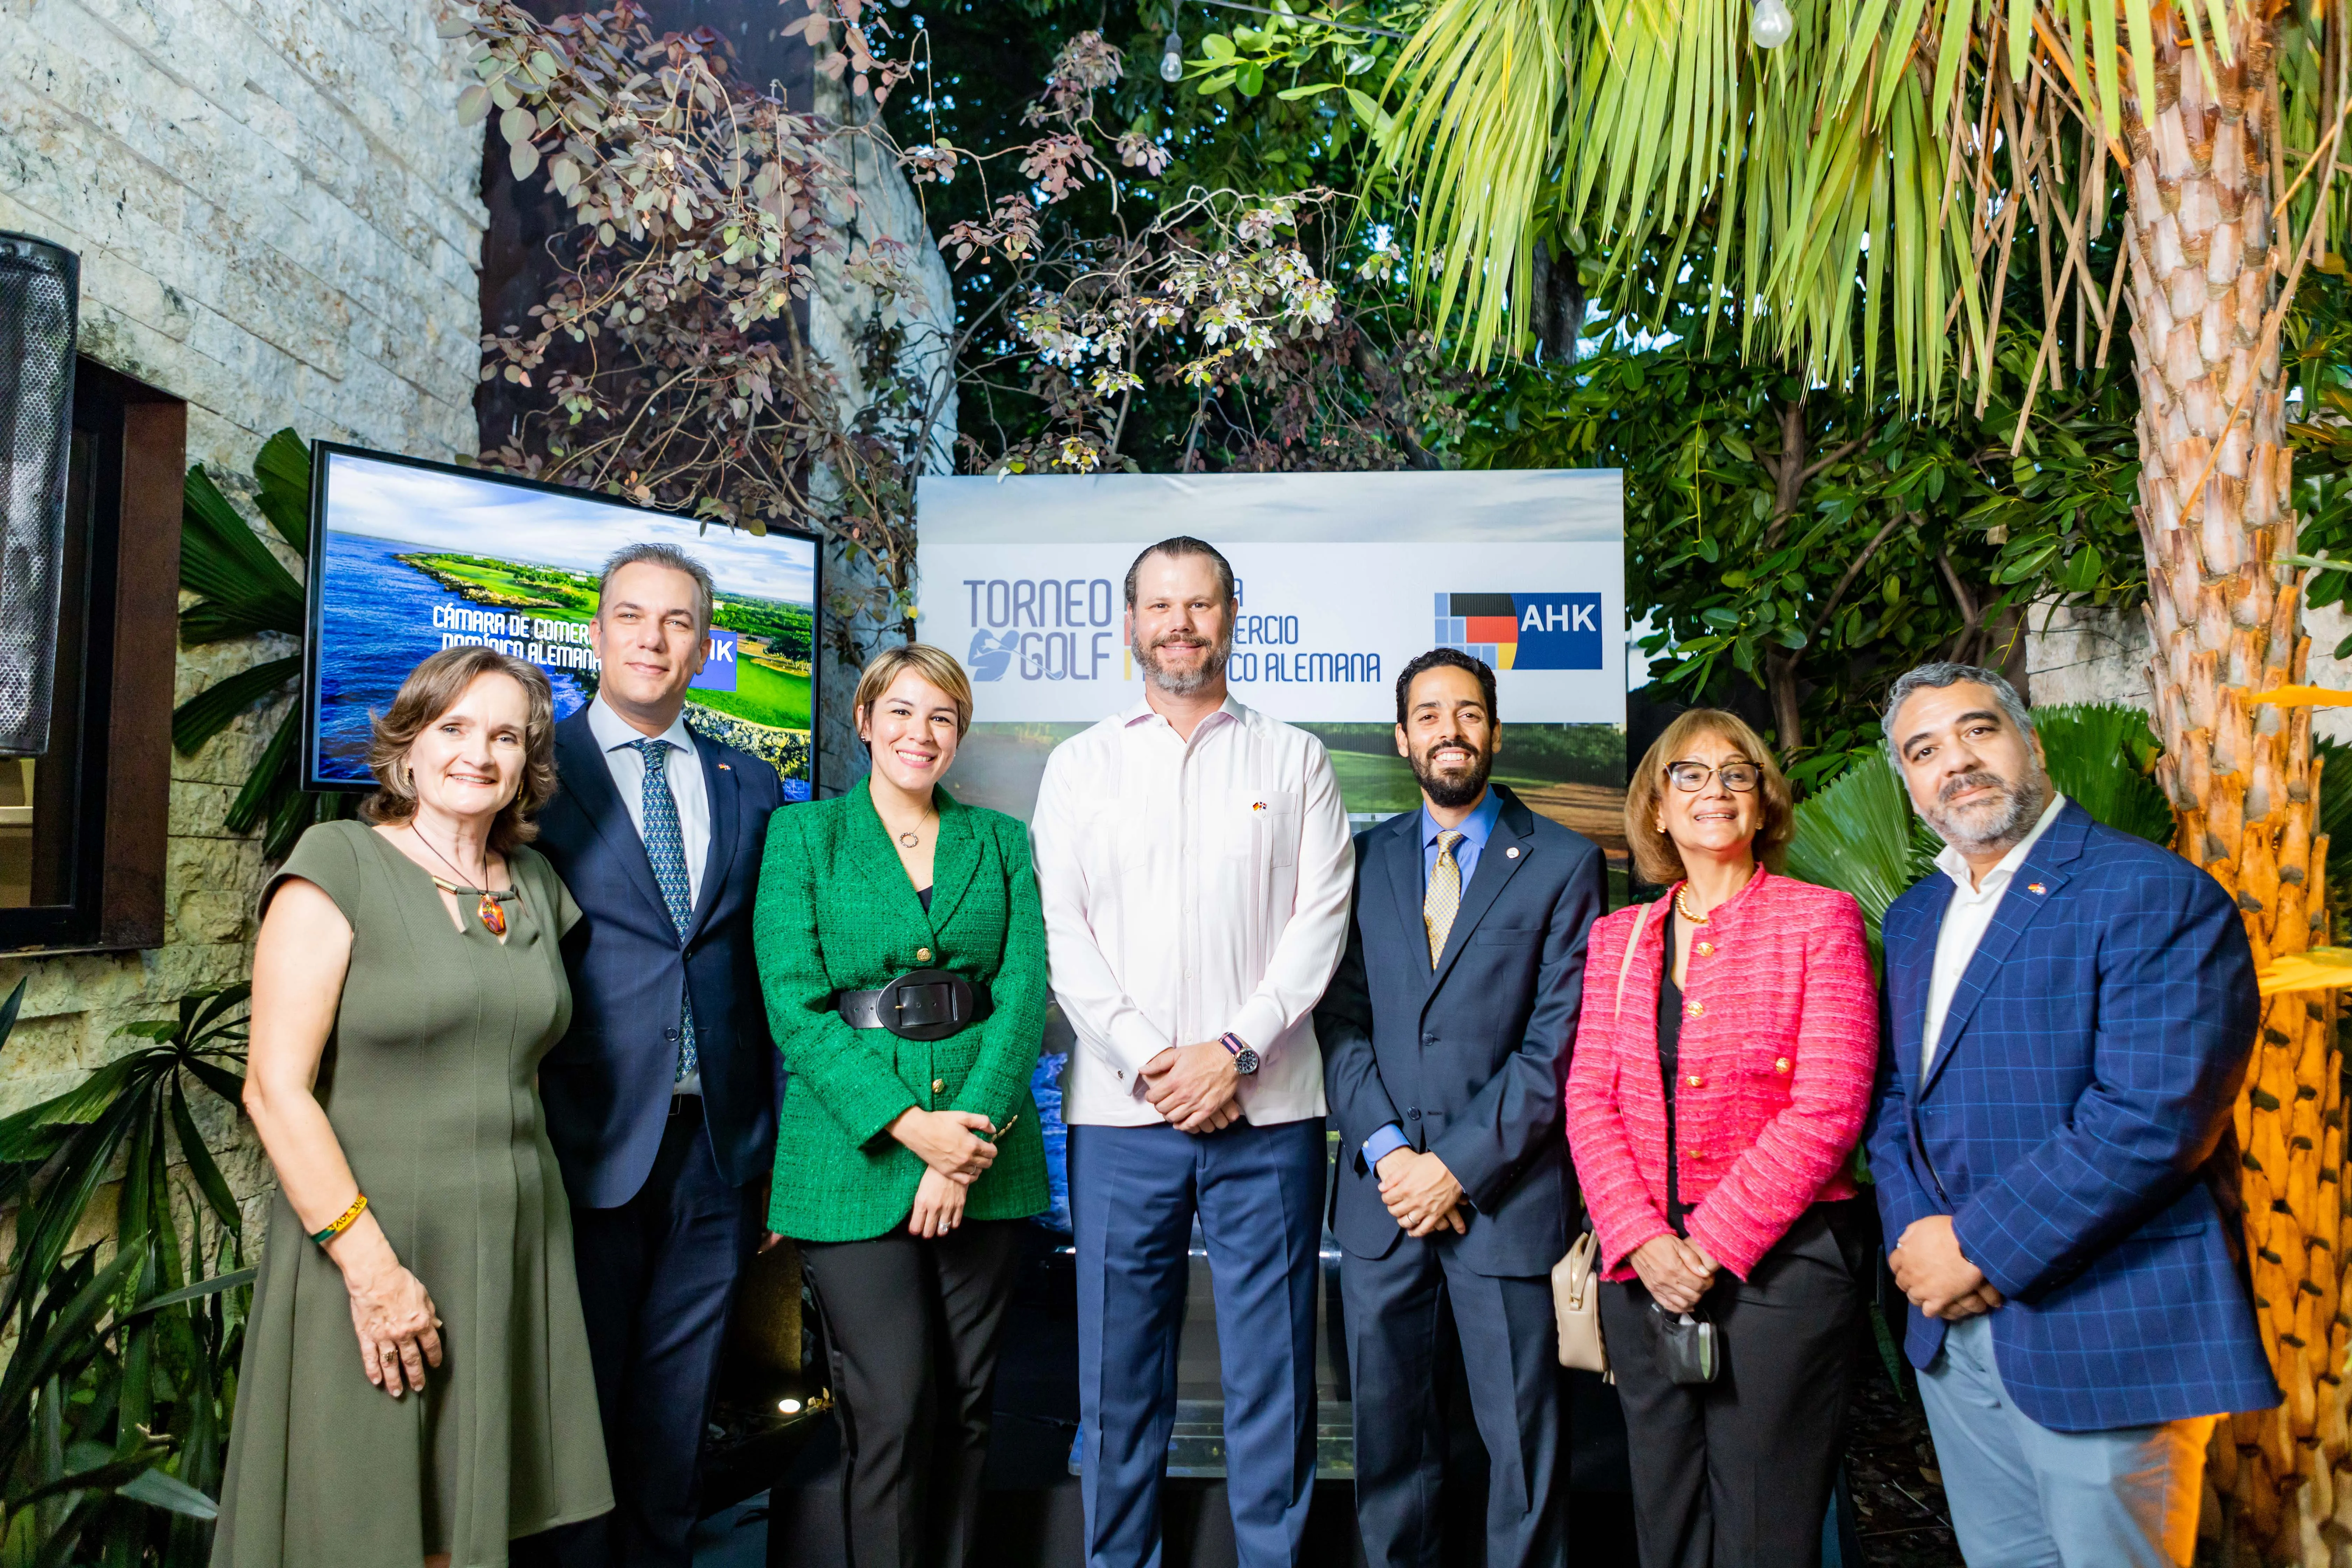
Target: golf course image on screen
[{"x": 418, "y": 557}]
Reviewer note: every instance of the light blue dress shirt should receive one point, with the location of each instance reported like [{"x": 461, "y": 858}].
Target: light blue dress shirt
[{"x": 1474, "y": 830}]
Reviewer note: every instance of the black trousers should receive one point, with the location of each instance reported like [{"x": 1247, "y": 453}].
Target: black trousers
[
  {"x": 1736, "y": 1473},
  {"x": 1510, "y": 1351},
  {"x": 657, "y": 1279},
  {"x": 911, "y": 1329}
]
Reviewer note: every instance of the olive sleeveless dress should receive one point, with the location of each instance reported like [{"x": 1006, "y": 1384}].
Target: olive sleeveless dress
[{"x": 429, "y": 1080}]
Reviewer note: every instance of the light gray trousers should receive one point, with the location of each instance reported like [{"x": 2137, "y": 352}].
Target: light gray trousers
[{"x": 2023, "y": 1496}]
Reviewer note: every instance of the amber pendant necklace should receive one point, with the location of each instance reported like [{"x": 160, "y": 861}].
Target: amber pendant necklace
[
  {"x": 492, "y": 916},
  {"x": 485, "y": 908}
]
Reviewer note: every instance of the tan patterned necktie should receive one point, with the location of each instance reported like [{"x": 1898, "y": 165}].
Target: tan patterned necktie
[{"x": 1443, "y": 899}]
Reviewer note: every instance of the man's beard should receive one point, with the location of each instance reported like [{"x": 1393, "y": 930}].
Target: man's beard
[
  {"x": 1452, "y": 789},
  {"x": 1992, "y": 824},
  {"x": 1183, "y": 682}
]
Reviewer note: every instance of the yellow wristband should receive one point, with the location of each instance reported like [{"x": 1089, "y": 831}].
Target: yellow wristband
[{"x": 343, "y": 1221}]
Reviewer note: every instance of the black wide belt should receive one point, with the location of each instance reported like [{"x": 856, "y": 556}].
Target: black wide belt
[{"x": 920, "y": 1004}]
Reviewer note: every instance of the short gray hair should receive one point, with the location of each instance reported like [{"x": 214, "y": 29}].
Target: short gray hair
[
  {"x": 1943, "y": 673},
  {"x": 670, "y": 555}
]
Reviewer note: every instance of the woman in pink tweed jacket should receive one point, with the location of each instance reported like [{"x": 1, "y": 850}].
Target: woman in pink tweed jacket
[{"x": 1729, "y": 1196}]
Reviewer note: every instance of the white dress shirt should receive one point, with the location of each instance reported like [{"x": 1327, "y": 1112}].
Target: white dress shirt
[
  {"x": 684, "y": 775},
  {"x": 1190, "y": 890},
  {"x": 1967, "y": 919}
]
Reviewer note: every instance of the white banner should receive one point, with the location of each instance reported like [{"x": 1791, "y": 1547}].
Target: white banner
[{"x": 1344, "y": 579}]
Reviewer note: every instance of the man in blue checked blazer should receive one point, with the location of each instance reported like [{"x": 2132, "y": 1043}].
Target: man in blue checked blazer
[{"x": 2071, "y": 1011}]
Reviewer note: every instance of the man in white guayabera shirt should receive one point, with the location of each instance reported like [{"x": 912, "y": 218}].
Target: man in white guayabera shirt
[{"x": 1194, "y": 864}]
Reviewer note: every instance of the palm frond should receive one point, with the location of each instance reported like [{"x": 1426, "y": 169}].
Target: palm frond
[
  {"x": 211, "y": 710},
  {"x": 1853, "y": 195},
  {"x": 282, "y": 490},
  {"x": 1861, "y": 836},
  {"x": 2101, "y": 755},
  {"x": 1484, "y": 81},
  {"x": 223, "y": 560}
]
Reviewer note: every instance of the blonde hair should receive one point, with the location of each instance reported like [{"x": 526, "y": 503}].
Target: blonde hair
[
  {"x": 433, "y": 687},
  {"x": 936, "y": 665},
  {"x": 1656, "y": 858}
]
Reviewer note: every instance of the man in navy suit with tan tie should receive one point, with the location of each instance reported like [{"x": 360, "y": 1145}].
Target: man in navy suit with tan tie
[
  {"x": 661, "y": 1099},
  {"x": 1445, "y": 1043}
]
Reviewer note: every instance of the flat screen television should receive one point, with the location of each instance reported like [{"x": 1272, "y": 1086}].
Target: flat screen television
[{"x": 412, "y": 557}]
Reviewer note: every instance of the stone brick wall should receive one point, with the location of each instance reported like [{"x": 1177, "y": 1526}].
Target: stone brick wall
[
  {"x": 2093, "y": 656},
  {"x": 278, "y": 218}
]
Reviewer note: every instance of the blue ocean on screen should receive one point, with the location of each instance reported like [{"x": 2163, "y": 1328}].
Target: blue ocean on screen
[{"x": 375, "y": 625}]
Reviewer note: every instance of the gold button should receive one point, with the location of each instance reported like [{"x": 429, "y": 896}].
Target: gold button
[
  {"x": 1698, "y": 1153},
  {"x": 1706, "y": 949},
  {"x": 922, "y": 955},
  {"x": 938, "y": 1086},
  {"x": 1780, "y": 1066},
  {"x": 1693, "y": 1009},
  {"x": 1696, "y": 1082}
]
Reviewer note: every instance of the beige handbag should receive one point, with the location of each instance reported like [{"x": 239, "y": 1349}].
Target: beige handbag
[
  {"x": 1576, "y": 1301},
  {"x": 1576, "y": 1278}
]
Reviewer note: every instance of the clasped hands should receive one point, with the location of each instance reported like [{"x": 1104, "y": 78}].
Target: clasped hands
[
  {"x": 1421, "y": 1194},
  {"x": 1675, "y": 1272},
  {"x": 1931, "y": 1270},
  {"x": 955, "y": 1148},
  {"x": 1194, "y": 1088}
]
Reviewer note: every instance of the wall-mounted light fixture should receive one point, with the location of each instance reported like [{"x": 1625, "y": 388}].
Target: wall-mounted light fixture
[{"x": 40, "y": 294}]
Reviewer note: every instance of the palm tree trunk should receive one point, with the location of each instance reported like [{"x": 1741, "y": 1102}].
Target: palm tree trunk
[{"x": 2226, "y": 624}]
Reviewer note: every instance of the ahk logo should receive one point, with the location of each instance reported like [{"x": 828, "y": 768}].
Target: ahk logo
[
  {"x": 718, "y": 663},
  {"x": 1523, "y": 631},
  {"x": 991, "y": 654}
]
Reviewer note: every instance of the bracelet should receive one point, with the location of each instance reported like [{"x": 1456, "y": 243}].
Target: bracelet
[{"x": 343, "y": 1221}]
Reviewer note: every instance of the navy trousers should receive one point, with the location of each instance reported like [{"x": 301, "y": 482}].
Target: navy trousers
[
  {"x": 656, "y": 1278},
  {"x": 1510, "y": 1351},
  {"x": 1258, "y": 1192}
]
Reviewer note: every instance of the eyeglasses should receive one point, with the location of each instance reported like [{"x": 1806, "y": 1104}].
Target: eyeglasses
[{"x": 1692, "y": 778}]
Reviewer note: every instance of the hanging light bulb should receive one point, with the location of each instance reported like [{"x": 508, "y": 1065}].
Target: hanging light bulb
[
  {"x": 1771, "y": 22},
  {"x": 1171, "y": 63}
]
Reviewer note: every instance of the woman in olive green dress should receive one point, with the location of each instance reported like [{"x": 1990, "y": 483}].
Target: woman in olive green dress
[
  {"x": 907, "y": 1152},
  {"x": 415, "y": 1386}
]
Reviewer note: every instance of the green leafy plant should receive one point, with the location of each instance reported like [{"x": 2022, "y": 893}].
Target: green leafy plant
[
  {"x": 115, "y": 1404},
  {"x": 1861, "y": 836},
  {"x": 2101, "y": 755},
  {"x": 244, "y": 591}
]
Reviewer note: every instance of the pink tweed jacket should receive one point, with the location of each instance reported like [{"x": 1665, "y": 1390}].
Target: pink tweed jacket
[{"x": 1779, "y": 1049}]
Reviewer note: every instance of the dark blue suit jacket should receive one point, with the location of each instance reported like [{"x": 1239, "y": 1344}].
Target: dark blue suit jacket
[
  {"x": 2076, "y": 1125},
  {"x": 1470, "y": 1059},
  {"x": 607, "y": 1084}
]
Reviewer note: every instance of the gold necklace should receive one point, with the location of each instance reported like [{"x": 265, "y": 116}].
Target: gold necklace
[{"x": 1684, "y": 908}]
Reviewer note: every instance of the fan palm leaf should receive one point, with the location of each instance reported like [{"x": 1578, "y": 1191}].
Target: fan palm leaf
[
  {"x": 244, "y": 591},
  {"x": 1861, "y": 836}
]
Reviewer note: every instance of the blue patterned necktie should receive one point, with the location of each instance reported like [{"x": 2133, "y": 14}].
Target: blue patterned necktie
[{"x": 666, "y": 847}]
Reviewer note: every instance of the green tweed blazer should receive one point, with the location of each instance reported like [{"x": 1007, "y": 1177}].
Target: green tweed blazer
[{"x": 836, "y": 912}]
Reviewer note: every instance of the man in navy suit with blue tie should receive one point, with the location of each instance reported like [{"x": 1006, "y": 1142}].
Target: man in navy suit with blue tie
[
  {"x": 1445, "y": 1035},
  {"x": 2070, "y": 1014},
  {"x": 661, "y": 1099}
]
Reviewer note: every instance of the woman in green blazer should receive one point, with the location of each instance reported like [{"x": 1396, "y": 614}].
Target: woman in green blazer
[{"x": 908, "y": 1147}]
